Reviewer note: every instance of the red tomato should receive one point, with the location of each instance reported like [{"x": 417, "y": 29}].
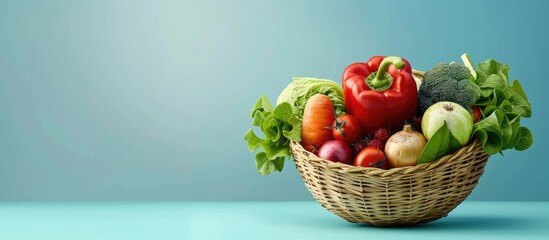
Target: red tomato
[
  {"x": 476, "y": 114},
  {"x": 347, "y": 128},
  {"x": 371, "y": 157}
]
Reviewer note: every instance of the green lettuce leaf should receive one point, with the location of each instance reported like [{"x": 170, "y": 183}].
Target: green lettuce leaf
[
  {"x": 489, "y": 132},
  {"x": 525, "y": 139},
  {"x": 254, "y": 142},
  {"x": 515, "y": 126},
  {"x": 262, "y": 105},
  {"x": 502, "y": 104},
  {"x": 279, "y": 125},
  {"x": 263, "y": 164},
  {"x": 286, "y": 113}
]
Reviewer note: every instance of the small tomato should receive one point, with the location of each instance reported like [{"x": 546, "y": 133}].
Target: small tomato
[
  {"x": 347, "y": 128},
  {"x": 476, "y": 114},
  {"x": 371, "y": 157}
]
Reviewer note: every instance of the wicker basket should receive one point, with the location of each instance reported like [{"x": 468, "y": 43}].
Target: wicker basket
[{"x": 394, "y": 197}]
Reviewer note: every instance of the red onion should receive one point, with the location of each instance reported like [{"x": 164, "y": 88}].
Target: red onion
[{"x": 336, "y": 151}]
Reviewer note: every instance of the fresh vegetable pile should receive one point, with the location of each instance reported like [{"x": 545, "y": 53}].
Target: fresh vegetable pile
[{"x": 383, "y": 117}]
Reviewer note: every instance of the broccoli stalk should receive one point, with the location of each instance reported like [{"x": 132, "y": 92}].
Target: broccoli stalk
[
  {"x": 447, "y": 82},
  {"x": 469, "y": 64}
]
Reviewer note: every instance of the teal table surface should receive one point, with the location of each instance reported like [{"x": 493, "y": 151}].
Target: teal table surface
[{"x": 257, "y": 220}]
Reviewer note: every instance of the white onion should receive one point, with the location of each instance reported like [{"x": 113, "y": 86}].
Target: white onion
[{"x": 404, "y": 148}]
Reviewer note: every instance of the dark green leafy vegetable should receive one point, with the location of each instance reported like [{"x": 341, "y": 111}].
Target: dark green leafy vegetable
[
  {"x": 279, "y": 125},
  {"x": 489, "y": 132},
  {"x": 524, "y": 139},
  {"x": 502, "y": 105}
]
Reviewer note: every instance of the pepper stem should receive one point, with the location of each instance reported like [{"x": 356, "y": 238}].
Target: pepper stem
[{"x": 381, "y": 80}]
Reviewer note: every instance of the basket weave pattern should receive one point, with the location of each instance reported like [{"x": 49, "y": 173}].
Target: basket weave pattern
[{"x": 399, "y": 196}]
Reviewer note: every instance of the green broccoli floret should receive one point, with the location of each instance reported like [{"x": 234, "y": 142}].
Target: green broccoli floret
[{"x": 447, "y": 82}]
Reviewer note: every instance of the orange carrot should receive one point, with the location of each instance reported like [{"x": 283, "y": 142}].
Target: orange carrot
[{"x": 318, "y": 116}]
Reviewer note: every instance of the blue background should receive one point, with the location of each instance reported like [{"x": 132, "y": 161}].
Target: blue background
[{"x": 146, "y": 100}]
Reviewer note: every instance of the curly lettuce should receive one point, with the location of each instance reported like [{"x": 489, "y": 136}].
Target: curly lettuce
[{"x": 279, "y": 126}]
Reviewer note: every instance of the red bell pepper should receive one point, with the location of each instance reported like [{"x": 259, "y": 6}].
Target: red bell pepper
[{"x": 381, "y": 93}]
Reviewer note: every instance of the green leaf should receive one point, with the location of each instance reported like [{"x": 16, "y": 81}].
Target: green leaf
[
  {"x": 489, "y": 110},
  {"x": 284, "y": 141},
  {"x": 515, "y": 126},
  {"x": 506, "y": 131},
  {"x": 501, "y": 96},
  {"x": 254, "y": 142},
  {"x": 283, "y": 112},
  {"x": 489, "y": 132},
  {"x": 454, "y": 145},
  {"x": 262, "y": 105},
  {"x": 263, "y": 165},
  {"x": 258, "y": 118},
  {"x": 488, "y": 100},
  {"x": 485, "y": 93},
  {"x": 493, "y": 67},
  {"x": 286, "y": 113},
  {"x": 494, "y": 81},
  {"x": 278, "y": 163},
  {"x": 292, "y": 130},
  {"x": 518, "y": 89},
  {"x": 266, "y": 166},
  {"x": 520, "y": 106},
  {"x": 440, "y": 144},
  {"x": 271, "y": 128},
  {"x": 492, "y": 142},
  {"x": 513, "y": 117},
  {"x": 504, "y": 104},
  {"x": 492, "y": 122},
  {"x": 278, "y": 125},
  {"x": 274, "y": 150},
  {"x": 525, "y": 139}
]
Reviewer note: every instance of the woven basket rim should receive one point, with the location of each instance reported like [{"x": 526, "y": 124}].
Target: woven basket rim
[{"x": 372, "y": 171}]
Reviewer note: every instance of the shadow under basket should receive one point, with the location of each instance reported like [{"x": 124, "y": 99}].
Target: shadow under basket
[{"x": 394, "y": 197}]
